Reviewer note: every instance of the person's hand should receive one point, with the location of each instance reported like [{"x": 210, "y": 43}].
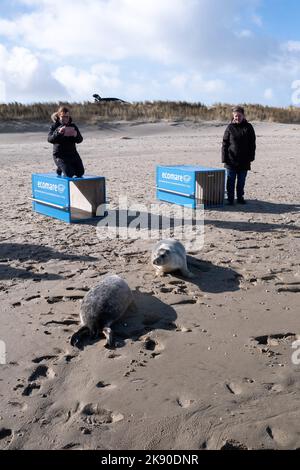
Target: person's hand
[
  {"x": 70, "y": 132},
  {"x": 61, "y": 130}
]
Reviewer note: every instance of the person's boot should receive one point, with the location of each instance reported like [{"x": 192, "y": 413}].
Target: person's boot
[
  {"x": 230, "y": 202},
  {"x": 241, "y": 200},
  {"x": 58, "y": 172}
]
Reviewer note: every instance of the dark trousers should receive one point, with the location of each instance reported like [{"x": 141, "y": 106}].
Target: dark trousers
[
  {"x": 232, "y": 175},
  {"x": 70, "y": 167}
]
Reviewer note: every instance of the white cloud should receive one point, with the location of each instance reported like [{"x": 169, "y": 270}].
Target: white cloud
[
  {"x": 193, "y": 83},
  {"x": 21, "y": 65},
  {"x": 81, "y": 84},
  {"x": 110, "y": 29},
  {"x": 23, "y": 75},
  {"x": 17, "y": 65},
  {"x": 169, "y": 31}
]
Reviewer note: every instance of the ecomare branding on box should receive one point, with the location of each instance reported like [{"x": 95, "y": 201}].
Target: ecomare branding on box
[
  {"x": 51, "y": 186},
  {"x": 176, "y": 177}
]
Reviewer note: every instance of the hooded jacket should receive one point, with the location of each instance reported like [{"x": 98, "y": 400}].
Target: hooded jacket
[
  {"x": 239, "y": 145},
  {"x": 64, "y": 147}
]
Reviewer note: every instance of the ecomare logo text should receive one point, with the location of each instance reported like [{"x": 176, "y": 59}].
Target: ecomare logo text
[
  {"x": 51, "y": 186},
  {"x": 175, "y": 177}
]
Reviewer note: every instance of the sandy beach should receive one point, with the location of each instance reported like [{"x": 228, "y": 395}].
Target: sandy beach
[{"x": 200, "y": 364}]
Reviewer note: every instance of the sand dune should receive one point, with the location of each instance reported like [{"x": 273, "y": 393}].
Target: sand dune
[{"x": 200, "y": 364}]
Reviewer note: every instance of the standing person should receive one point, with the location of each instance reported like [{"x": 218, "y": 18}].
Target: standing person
[
  {"x": 238, "y": 151},
  {"x": 64, "y": 135}
]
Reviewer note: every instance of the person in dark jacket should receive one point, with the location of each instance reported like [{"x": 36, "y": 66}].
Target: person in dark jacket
[
  {"x": 238, "y": 151},
  {"x": 64, "y": 135}
]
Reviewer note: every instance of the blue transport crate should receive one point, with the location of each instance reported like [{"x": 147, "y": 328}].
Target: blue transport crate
[
  {"x": 68, "y": 199},
  {"x": 190, "y": 185}
]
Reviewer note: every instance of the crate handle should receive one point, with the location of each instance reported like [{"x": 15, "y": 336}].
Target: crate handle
[
  {"x": 63, "y": 208},
  {"x": 175, "y": 192}
]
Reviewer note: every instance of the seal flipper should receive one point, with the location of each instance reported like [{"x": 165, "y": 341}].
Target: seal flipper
[
  {"x": 79, "y": 335},
  {"x": 107, "y": 331},
  {"x": 187, "y": 273}
]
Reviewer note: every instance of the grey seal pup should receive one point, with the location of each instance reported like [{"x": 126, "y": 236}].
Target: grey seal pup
[
  {"x": 169, "y": 255},
  {"x": 102, "y": 306}
]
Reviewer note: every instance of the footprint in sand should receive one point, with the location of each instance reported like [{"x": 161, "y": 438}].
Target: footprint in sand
[
  {"x": 178, "y": 288},
  {"x": 155, "y": 320},
  {"x": 40, "y": 373},
  {"x": 231, "y": 444},
  {"x": 6, "y": 436},
  {"x": 19, "y": 406},
  {"x": 293, "y": 287},
  {"x": 240, "y": 387},
  {"x": 61, "y": 356},
  {"x": 102, "y": 384},
  {"x": 20, "y": 385},
  {"x": 267, "y": 343},
  {"x": 235, "y": 389},
  {"x": 183, "y": 329},
  {"x": 54, "y": 299},
  {"x": 68, "y": 358},
  {"x": 39, "y": 359},
  {"x": 61, "y": 323},
  {"x": 57, "y": 414},
  {"x": 31, "y": 297},
  {"x": 92, "y": 413},
  {"x": 113, "y": 355},
  {"x": 148, "y": 277},
  {"x": 71, "y": 445},
  {"x": 153, "y": 345},
  {"x": 166, "y": 290},
  {"x": 184, "y": 402},
  {"x": 281, "y": 437},
  {"x": 186, "y": 301},
  {"x": 30, "y": 388}
]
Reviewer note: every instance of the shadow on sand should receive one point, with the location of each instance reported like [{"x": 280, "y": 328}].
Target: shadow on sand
[
  {"x": 262, "y": 207},
  {"x": 251, "y": 226},
  {"x": 8, "y": 273},
  {"x": 210, "y": 277},
  {"x": 149, "y": 313},
  {"x": 35, "y": 253}
]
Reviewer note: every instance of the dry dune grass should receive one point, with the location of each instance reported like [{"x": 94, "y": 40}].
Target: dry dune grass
[{"x": 91, "y": 113}]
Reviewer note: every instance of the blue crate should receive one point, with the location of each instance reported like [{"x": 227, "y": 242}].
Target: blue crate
[
  {"x": 68, "y": 199},
  {"x": 191, "y": 186}
]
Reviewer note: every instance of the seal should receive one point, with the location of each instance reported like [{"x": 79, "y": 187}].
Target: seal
[
  {"x": 169, "y": 255},
  {"x": 102, "y": 306}
]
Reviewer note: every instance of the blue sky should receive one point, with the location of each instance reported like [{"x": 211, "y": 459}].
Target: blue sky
[{"x": 208, "y": 51}]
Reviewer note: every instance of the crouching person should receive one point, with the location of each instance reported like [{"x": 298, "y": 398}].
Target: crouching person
[{"x": 64, "y": 135}]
